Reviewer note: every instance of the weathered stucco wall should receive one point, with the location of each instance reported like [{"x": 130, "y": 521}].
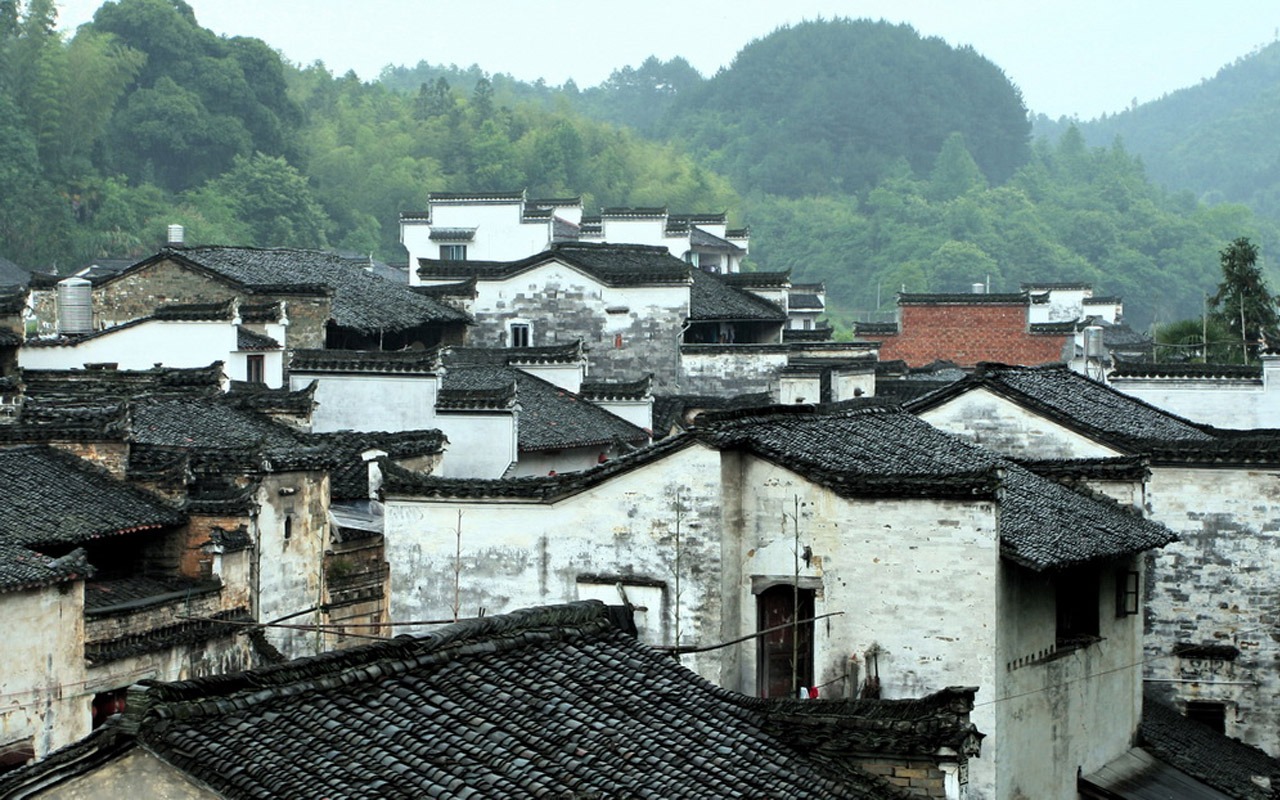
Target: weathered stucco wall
[
  {"x": 481, "y": 444},
  {"x": 732, "y": 369},
  {"x": 42, "y": 668},
  {"x": 630, "y": 331},
  {"x": 916, "y": 580},
  {"x": 1069, "y": 709},
  {"x": 169, "y": 342},
  {"x": 1225, "y": 403},
  {"x": 1217, "y": 586},
  {"x": 292, "y": 536},
  {"x": 370, "y": 402},
  {"x": 518, "y": 554},
  {"x": 985, "y": 418}
]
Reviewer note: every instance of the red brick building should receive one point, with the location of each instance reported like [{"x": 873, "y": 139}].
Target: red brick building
[{"x": 967, "y": 329}]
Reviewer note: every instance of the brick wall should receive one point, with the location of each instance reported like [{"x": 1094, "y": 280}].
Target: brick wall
[
  {"x": 967, "y": 334},
  {"x": 921, "y": 778}
]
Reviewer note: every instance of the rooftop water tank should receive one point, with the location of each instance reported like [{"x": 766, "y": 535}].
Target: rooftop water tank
[
  {"x": 1093, "y": 347},
  {"x": 75, "y": 307},
  {"x": 177, "y": 236}
]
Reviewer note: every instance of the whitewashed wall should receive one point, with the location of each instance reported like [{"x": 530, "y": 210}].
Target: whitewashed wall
[
  {"x": 290, "y": 569},
  {"x": 1226, "y": 403},
  {"x": 369, "y": 401},
  {"x": 42, "y": 668},
  {"x": 519, "y": 554},
  {"x": 985, "y": 418},
  {"x": 481, "y": 444},
  {"x": 1218, "y": 586},
  {"x": 169, "y": 342}
]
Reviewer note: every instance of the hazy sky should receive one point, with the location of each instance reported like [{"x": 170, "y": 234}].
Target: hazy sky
[{"x": 1072, "y": 57}]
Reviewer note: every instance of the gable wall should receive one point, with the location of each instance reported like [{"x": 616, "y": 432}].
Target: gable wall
[
  {"x": 169, "y": 342},
  {"x": 369, "y": 401},
  {"x": 1218, "y": 586},
  {"x": 630, "y": 331},
  {"x": 967, "y": 335},
  {"x": 289, "y": 570},
  {"x": 1225, "y": 403},
  {"x": 915, "y": 578},
  {"x": 520, "y": 554},
  {"x": 42, "y": 652},
  {"x": 989, "y": 420}
]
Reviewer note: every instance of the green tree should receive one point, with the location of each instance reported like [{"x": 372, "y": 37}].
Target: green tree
[
  {"x": 1243, "y": 303},
  {"x": 272, "y": 199}
]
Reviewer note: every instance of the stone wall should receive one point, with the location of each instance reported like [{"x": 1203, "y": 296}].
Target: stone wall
[
  {"x": 715, "y": 369},
  {"x": 1215, "y": 590}
]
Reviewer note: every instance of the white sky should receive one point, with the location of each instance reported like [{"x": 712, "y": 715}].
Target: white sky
[{"x": 1069, "y": 57}]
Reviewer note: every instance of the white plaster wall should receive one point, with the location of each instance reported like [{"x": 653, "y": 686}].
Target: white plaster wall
[
  {"x": 918, "y": 578},
  {"x": 637, "y": 412},
  {"x": 573, "y": 459},
  {"x": 1064, "y": 305},
  {"x": 985, "y": 418},
  {"x": 290, "y": 570},
  {"x": 649, "y": 230},
  {"x": 499, "y": 236},
  {"x": 42, "y": 668},
  {"x": 272, "y": 366},
  {"x": 1066, "y": 711},
  {"x": 1239, "y": 404},
  {"x": 799, "y": 389},
  {"x": 519, "y": 554},
  {"x": 1217, "y": 585},
  {"x": 716, "y": 369},
  {"x": 370, "y": 402},
  {"x": 566, "y": 376},
  {"x": 850, "y": 385},
  {"x": 142, "y": 346},
  {"x": 481, "y": 445}
]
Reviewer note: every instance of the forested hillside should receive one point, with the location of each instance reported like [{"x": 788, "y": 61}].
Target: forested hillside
[
  {"x": 1217, "y": 139},
  {"x": 860, "y": 153}
]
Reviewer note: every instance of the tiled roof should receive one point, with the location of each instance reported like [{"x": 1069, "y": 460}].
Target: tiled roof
[
  {"x": 541, "y": 703},
  {"x": 1053, "y": 328},
  {"x": 13, "y": 275},
  {"x": 1184, "y": 371},
  {"x": 51, "y": 498},
  {"x": 52, "y": 422},
  {"x": 962, "y": 299},
  {"x": 361, "y": 301},
  {"x": 709, "y": 241},
  {"x": 252, "y": 340},
  {"x": 670, "y": 411},
  {"x": 629, "y": 390},
  {"x": 552, "y": 418},
  {"x": 9, "y": 339},
  {"x": 478, "y": 388},
  {"x": 801, "y": 302},
  {"x": 88, "y": 385},
  {"x": 424, "y": 362},
  {"x": 757, "y": 280},
  {"x": 611, "y": 264},
  {"x": 350, "y": 479},
  {"x": 258, "y": 397},
  {"x": 259, "y": 313},
  {"x": 452, "y": 234},
  {"x": 866, "y": 449},
  {"x": 1232, "y": 767},
  {"x": 1123, "y": 468},
  {"x": 570, "y": 353},
  {"x": 711, "y": 298},
  {"x": 545, "y": 489},
  {"x": 875, "y": 328},
  {"x": 1103, "y": 300},
  {"x": 1076, "y": 401},
  {"x": 465, "y": 289},
  {"x": 22, "y": 568}
]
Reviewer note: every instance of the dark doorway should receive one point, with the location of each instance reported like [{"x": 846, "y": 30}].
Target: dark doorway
[{"x": 786, "y": 654}]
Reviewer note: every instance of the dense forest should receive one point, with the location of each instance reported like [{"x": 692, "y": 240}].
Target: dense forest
[{"x": 860, "y": 153}]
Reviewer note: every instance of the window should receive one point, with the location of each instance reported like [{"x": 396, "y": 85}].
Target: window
[
  {"x": 785, "y": 655},
  {"x": 808, "y": 324},
  {"x": 521, "y": 335},
  {"x": 1076, "y": 594},
  {"x": 1212, "y": 714},
  {"x": 255, "y": 369},
  {"x": 453, "y": 252},
  {"x": 1127, "y": 592}
]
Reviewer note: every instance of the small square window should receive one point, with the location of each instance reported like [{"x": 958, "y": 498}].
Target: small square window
[
  {"x": 453, "y": 252},
  {"x": 1127, "y": 592},
  {"x": 521, "y": 336},
  {"x": 255, "y": 369},
  {"x": 1212, "y": 714}
]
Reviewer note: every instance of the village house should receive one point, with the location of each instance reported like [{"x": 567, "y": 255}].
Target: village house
[
  {"x": 751, "y": 521},
  {"x": 249, "y": 340},
  {"x": 1224, "y": 395},
  {"x": 1042, "y": 324},
  {"x": 1210, "y": 598},
  {"x": 329, "y": 300},
  {"x": 638, "y": 310},
  {"x": 507, "y": 226},
  {"x": 504, "y": 412},
  {"x": 542, "y": 702}
]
